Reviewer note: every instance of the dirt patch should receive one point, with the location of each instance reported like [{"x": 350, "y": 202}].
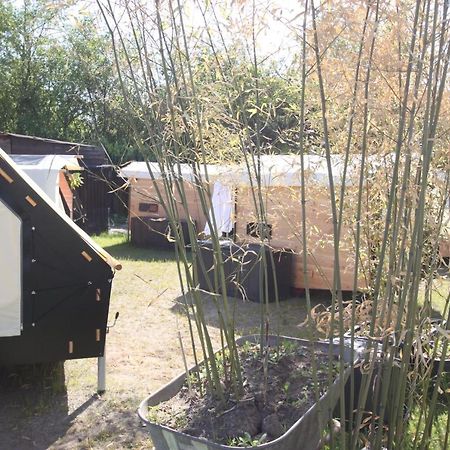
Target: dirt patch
[{"x": 279, "y": 387}]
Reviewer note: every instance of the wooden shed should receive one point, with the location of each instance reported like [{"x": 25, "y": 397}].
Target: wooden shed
[
  {"x": 92, "y": 200},
  {"x": 144, "y": 200},
  {"x": 147, "y": 212},
  {"x": 55, "y": 281},
  {"x": 281, "y": 199}
]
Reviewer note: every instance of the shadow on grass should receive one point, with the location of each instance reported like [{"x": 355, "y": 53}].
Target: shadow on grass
[
  {"x": 286, "y": 318},
  {"x": 436, "y": 314},
  {"x": 34, "y": 410}
]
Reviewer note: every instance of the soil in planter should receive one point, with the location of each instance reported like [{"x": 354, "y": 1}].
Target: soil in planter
[{"x": 269, "y": 406}]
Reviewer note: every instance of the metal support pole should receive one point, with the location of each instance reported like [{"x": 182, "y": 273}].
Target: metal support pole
[{"x": 101, "y": 374}]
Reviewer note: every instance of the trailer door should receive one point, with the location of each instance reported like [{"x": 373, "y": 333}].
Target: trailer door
[{"x": 10, "y": 272}]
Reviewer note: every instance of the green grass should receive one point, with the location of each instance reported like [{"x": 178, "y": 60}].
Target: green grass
[
  {"x": 119, "y": 247},
  {"x": 109, "y": 240},
  {"x": 441, "y": 289},
  {"x": 438, "y": 433},
  {"x": 439, "y": 294},
  {"x": 159, "y": 265}
]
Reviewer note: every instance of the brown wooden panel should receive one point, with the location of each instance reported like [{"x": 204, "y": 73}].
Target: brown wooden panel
[
  {"x": 66, "y": 192},
  {"x": 145, "y": 191},
  {"x": 192, "y": 207},
  {"x": 444, "y": 248},
  {"x": 320, "y": 274},
  {"x": 283, "y": 211},
  {"x": 5, "y": 143}
]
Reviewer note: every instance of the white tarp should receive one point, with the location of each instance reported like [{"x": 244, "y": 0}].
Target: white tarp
[
  {"x": 222, "y": 209},
  {"x": 140, "y": 170},
  {"x": 274, "y": 170},
  {"x": 285, "y": 170},
  {"x": 10, "y": 272},
  {"x": 44, "y": 171}
]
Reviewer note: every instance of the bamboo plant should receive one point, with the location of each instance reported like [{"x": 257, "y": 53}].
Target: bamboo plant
[{"x": 387, "y": 209}]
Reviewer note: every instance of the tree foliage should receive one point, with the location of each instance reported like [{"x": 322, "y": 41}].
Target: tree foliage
[
  {"x": 60, "y": 81},
  {"x": 58, "y": 78}
]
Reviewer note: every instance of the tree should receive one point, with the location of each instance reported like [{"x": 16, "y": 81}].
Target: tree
[{"x": 58, "y": 80}]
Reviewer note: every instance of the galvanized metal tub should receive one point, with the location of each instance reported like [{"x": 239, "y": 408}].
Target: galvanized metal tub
[{"x": 305, "y": 434}]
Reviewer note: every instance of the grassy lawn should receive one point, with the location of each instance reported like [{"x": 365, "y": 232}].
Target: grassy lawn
[
  {"x": 439, "y": 430},
  {"x": 142, "y": 354}
]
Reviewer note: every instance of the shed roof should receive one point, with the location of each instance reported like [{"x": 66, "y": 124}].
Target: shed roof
[
  {"x": 19, "y": 144},
  {"x": 46, "y": 162},
  {"x": 145, "y": 170}
]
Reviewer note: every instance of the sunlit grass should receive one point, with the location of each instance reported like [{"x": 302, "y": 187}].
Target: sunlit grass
[
  {"x": 437, "y": 439},
  {"x": 441, "y": 288},
  {"x": 108, "y": 240}
]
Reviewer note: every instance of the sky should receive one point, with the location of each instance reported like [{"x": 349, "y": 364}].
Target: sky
[
  {"x": 273, "y": 29},
  {"x": 275, "y": 26},
  {"x": 278, "y": 21}
]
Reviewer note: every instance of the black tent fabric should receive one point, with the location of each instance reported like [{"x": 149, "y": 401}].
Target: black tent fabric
[{"x": 66, "y": 279}]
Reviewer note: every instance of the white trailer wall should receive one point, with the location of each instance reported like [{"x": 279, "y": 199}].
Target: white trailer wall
[{"x": 10, "y": 272}]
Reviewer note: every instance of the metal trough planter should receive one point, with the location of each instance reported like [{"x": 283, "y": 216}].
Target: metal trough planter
[
  {"x": 436, "y": 364},
  {"x": 305, "y": 434}
]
